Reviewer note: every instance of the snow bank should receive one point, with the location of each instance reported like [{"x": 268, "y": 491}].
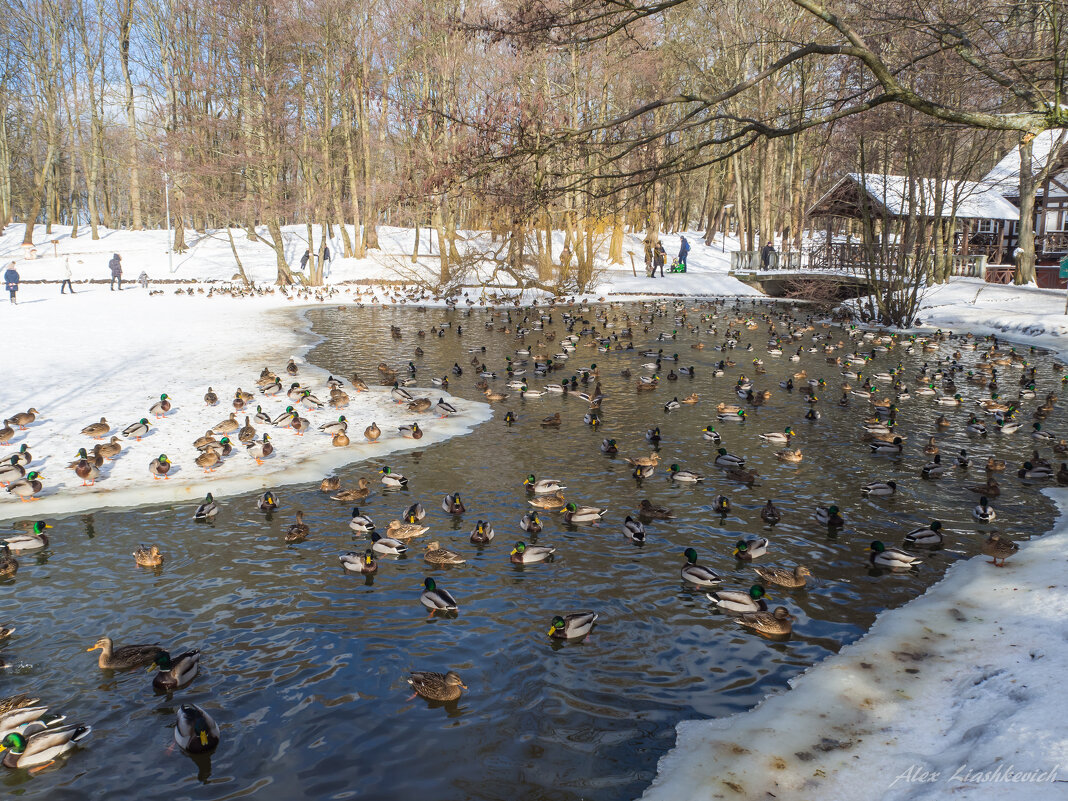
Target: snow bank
[
  {"x": 112, "y": 354},
  {"x": 957, "y": 693}
]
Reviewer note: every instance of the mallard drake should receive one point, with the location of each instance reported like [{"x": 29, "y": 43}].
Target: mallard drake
[
  {"x": 634, "y": 530},
  {"x": 436, "y": 599},
  {"x": 109, "y": 450},
  {"x": 784, "y": 576},
  {"x": 41, "y": 747},
  {"x": 160, "y": 466},
  {"x": 9, "y": 565},
  {"x": 176, "y": 672},
  {"x": 646, "y": 509},
  {"x": 298, "y": 531},
  {"x": 482, "y": 533},
  {"x": 523, "y": 554},
  {"x": 749, "y": 549},
  {"x": 391, "y": 479},
  {"x": 709, "y": 433},
  {"x": 11, "y": 471},
  {"x": 882, "y": 446},
  {"x": 208, "y": 509},
  {"x": 436, "y": 686},
  {"x": 97, "y": 430},
  {"x": 929, "y": 536},
  {"x": 300, "y": 425},
  {"x": 148, "y": 556},
  {"x": 161, "y": 407},
  {"x": 732, "y": 417},
  {"x": 879, "y": 488},
  {"x": 697, "y": 574},
  {"x": 573, "y": 626},
  {"x": 24, "y": 489},
  {"x": 894, "y": 558},
  {"x": 434, "y": 554},
  {"x": 195, "y": 731},
  {"x": 334, "y": 426},
  {"x": 34, "y": 539},
  {"x": 272, "y": 388},
  {"x": 86, "y": 470},
  {"x": 261, "y": 417},
  {"x": 829, "y": 516},
  {"x": 399, "y": 394},
  {"x": 725, "y": 459},
  {"x": 359, "y": 563},
  {"x": 984, "y": 512},
  {"x": 583, "y": 514},
  {"x": 737, "y": 601},
  {"x": 1035, "y": 472},
  {"x": 387, "y": 545},
  {"x": 136, "y": 430},
  {"x": 412, "y": 431},
  {"x": 773, "y": 624},
  {"x": 778, "y": 437},
  {"x": 686, "y": 476},
  {"x": 210, "y": 398},
  {"x": 999, "y": 549},
  {"x": 452, "y": 504},
  {"x": 609, "y": 446},
  {"x": 260, "y": 450},
  {"x": 360, "y": 522},
  {"x": 544, "y": 486},
  {"x": 128, "y": 656},
  {"x": 227, "y": 426},
  {"x": 414, "y": 513},
  {"x": 934, "y": 468}
]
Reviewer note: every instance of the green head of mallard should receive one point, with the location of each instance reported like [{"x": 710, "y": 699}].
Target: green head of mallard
[
  {"x": 691, "y": 556},
  {"x": 789, "y": 431},
  {"x": 674, "y": 468},
  {"x": 294, "y": 385},
  {"x": 756, "y": 592},
  {"x": 33, "y": 475},
  {"x": 741, "y": 412},
  {"x": 164, "y": 397},
  {"x": 877, "y": 546},
  {"x": 722, "y": 452},
  {"x": 143, "y": 421},
  {"x": 558, "y": 624},
  {"x": 519, "y": 548},
  {"x": 266, "y": 437},
  {"x": 163, "y": 458},
  {"x": 224, "y": 441},
  {"x": 82, "y": 454},
  {"x": 23, "y": 448},
  {"x": 832, "y": 510},
  {"x": 385, "y": 471},
  {"x": 161, "y": 662},
  {"x": 15, "y": 742},
  {"x": 342, "y": 419},
  {"x": 429, "y": 585},
  {"x": 740, "y": 547},
  {"x": 40, "y": 526},
  {"x": 209, "y": 498},
  {"x": 529, "y": 480},
  {"x": 570, "y": 506}
]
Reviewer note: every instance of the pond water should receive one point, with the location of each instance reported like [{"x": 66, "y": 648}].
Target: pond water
[{"x": 304, "y": 664}]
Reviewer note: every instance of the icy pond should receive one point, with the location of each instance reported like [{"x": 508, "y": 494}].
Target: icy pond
[{"x": 304, "y": 664}]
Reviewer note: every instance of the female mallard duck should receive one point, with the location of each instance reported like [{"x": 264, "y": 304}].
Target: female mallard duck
[
  {"x": 291, "y": 367},
  {"x": 109, "y": 450},
  {"x": 634, "y": 530},
  {"x": 991, "y": 488},
  {"x": 995, "y": 465},
  {"x": 544, "y": 486},
  {"x": 136, "y": 430},
  {"x": 298, "y": 531},
  {"x": 414, "y": 513},
  {"x": 523, "y": 554},
  {"x": 227, "y": 426},
  {"x": 6, "y": 433},
  {"x": 482, "y": 533},
  {"x": 551, "y": 420},
  {"x": 697, "y": 574},
  {"x": 41, "y": 747},
  {"x": 372, "y": 432},
  {"x": 23, "y": 419},
  {"x": 128, "y": 656},
  {"x": 405, "y": 531},
  {"x": 26, "y": 488},
  {"x": 360, "y": 522},
  {"x": 693, "y": 397},
  {"x": 210, "y": 397},
  {"x": 942, "y": 422},
  {"x": 984, "y": 512},
  {"x": 452, "y": 504},
  {"x": 647, "y": 509},
  {"x": 363, "y": 489},
  {"x": 97, "y": 430},
  {"x": 737, "y": 601},
  {"x": 652, "y": 460},
  {"x": 772, "y": 624},
  {"x": 894, "y": 558},
  {"x": 770, "y": 514},
  {"x": 412, "y": 431},
  {"x": 530, "y": 522},
  {"x": 419, "y": 405},
  {"x": 18, "y": 710},
  {"x": 784, "y": 576},
  {"x": 493, "y": 396},
  {"x": 177, "y": 672},
  {"x": 749, "y": 549},
  {"x": 359, "y": 563},
  {"x": 931, "y": 449},
  {"x": 247, "y": 433},
  {"x": 742, "y": 476},
  {"x": 260, "y": 450},
  {"x": 159, "y": 467},
  {"x": 929, "y": 536},
  {"x": 148, "y": 556},
  {"x": 208, "y": 509},
  {"x": 330, "y": 484},
  {"x": 573, "y": 626},
  {"x": 31, "y": 541},
  {"x": 436, "y": 555},
  {"x": 829, "y": 516},
  {"x": 436, "y": 686},
  {"x": 86, "y": 470},
  {"x": 391, "y": 479},
  {"x": 790, "y": 455},
  {"x": 9, "y": 565},
  {"x": 161, "y": 407},
  {"x": 195, "y": 731},
  {"x": 879, "y": 488},
  {"x": 208, "y": 460},
  {"x": 583, "y": 514},
  {"x": 436, "y": 599},
  {"x": 999, "y": 549},
  {"x": 387, "y": 545}
]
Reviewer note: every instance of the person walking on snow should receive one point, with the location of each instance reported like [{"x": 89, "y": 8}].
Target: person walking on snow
[
  {"x": 11, "y": 279},
  {"x": 767, "y": 253},
  {"x": 304, "y": 260},
  {"x": 684, "y": 250},
  {"x": 659, "y": 258},
  {"x": 116, "y": 271},
  {"x": 142, "y": 279},
  {"x": 326, "y": 254},
  {"x": 65, "y": 285}
]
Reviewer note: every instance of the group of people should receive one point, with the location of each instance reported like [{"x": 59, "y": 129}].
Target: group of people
[
  {"x": 658, "y": 258},
  {"x": 307, "y": 257},
  {"x": 12, "y": 277}
]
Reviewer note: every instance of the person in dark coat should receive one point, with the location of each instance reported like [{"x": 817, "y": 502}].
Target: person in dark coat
[
  {"x": 326, "y": 253},
  {"x": 11, "y": 280},
  {"x": 684, "y": 251},
  {"x": 767, "y": 253},
  {"x": 304, "y": 260},
  {"x": 659, "y": 258},
  {"x": 116, "y": 271}
]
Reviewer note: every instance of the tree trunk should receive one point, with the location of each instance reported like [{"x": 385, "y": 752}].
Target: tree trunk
[
  {"x": 284, "y": 276},
  {"x": 125, "y": 19},
  {"x": 1025, "y": 264},
  {"x": 615, "y": 247}
]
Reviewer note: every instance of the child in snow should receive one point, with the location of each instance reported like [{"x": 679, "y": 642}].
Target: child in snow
[
  {"x": 11, "y": 279},
  {"x": 142, "y": 279}
]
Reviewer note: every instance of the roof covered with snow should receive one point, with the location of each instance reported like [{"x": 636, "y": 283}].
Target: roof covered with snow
[
  {"x": 1005, "y": 175},
  {"x": 964, "y": 199}
]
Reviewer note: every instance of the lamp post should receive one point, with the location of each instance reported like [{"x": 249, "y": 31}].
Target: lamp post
[{"x": 170, "y": 233}]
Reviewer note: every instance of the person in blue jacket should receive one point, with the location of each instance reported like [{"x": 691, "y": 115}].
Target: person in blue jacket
[
  {"x": 684, "y": 251},
  {"x": 11, "y": 280}
]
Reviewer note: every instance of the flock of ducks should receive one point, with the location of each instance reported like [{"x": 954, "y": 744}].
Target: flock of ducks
[{"x": 870, "y": 373}]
